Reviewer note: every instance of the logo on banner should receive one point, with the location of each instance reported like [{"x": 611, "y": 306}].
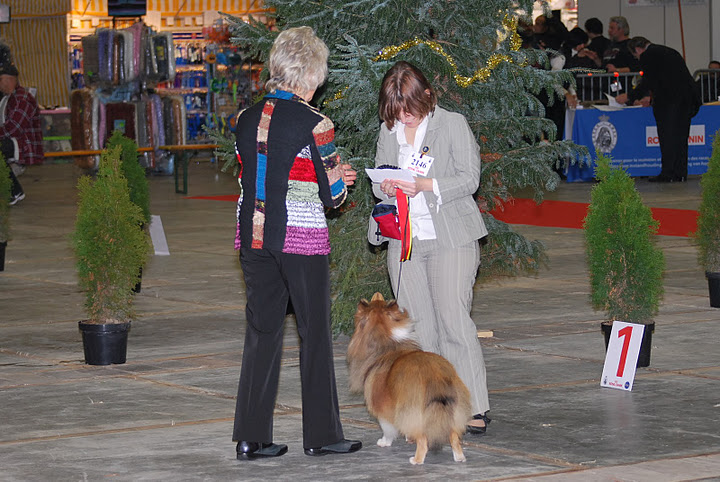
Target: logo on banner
[
  {"x": 696, "y": 137},
  {"x": 604, "y": 135}
]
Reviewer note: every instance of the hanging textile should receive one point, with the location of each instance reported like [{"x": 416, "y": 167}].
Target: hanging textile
[
  {"x": 98, "y": 8},
  {"x": 199, "y": 6},
  {"x": 37, "y": 35}
]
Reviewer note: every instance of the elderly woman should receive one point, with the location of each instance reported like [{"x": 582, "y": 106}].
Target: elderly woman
[
  {"x": 435, "y": 285},
  {"x": 290, "y": 170}
]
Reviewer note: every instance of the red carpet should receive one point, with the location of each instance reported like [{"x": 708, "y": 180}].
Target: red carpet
[{"x": 562, "y": 214}]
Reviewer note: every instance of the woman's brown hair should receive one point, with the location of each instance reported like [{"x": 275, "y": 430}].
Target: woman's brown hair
[{"x": 405, "y": 89}]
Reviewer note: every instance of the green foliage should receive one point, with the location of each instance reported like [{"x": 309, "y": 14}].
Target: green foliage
[
  {"x": 708, "y": 223},
  {"x": 226, "y": 150},
  {"x": 5, "y": 193},
  {"x": 517, "y": 142},
  {"x": 626, "y": 268},
  {"x": 109, "y": 244},
  {"x": 133, "y": 171}
]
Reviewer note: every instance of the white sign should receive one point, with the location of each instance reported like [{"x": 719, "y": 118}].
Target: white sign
[
  {"x": 622, "y": 355},
  {"x": 420, "y": 164},
  {"x": 696, "y": 137}
]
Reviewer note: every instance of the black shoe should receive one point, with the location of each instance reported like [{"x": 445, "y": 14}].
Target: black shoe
[
  {"x": 678, "y": 179},
  {"x": 256, "y": 450},
  {"x": 472, "y": 429},
  {"x": 342, "y": 447}
]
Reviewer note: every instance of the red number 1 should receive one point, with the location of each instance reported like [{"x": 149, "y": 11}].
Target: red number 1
[{"x": 626, "y": 332}]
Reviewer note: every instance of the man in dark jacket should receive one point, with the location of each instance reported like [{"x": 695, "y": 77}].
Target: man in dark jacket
[{"x": 675, "y": 100}]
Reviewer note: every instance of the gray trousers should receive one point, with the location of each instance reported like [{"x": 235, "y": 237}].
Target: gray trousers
[{"x": 436, "y": 288}]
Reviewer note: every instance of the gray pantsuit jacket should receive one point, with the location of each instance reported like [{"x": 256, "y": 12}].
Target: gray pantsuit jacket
[
  {"x": 457, "y": 169},
  {"x": 436, "y": 287}
]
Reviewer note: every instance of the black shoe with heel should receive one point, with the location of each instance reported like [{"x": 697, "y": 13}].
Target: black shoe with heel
[{"x": 472, "y": 429}]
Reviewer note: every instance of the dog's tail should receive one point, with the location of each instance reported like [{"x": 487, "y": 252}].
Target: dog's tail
[{"x": 447, "y": 408}]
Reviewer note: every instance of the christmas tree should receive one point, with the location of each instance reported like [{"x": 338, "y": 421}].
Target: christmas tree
[{"x": 471, "y": 52}]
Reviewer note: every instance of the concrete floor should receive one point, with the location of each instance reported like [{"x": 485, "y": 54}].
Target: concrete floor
[{"x": 167, "y": 413}]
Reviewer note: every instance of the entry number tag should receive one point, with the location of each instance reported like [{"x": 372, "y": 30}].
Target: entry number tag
[
  {"x": 622, "y": 355},
  {"x": 420, "y": 164}
]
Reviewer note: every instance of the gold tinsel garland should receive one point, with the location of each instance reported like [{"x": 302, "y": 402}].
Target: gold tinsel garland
[{"x": 480, "y": 75}]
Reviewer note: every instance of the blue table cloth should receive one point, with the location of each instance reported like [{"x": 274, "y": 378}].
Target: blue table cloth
[{"x": 629, "y": 137}]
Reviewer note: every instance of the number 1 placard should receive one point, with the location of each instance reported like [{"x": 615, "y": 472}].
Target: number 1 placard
[{"x": 622, "y": 355}]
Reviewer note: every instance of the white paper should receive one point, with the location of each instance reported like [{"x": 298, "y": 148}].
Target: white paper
[
  {"x": 379, "y": 175},
  {"x": 612, "y": 102}
]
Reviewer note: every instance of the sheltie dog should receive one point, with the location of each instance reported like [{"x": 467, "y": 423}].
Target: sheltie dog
[{"x": 408, "y": 390}]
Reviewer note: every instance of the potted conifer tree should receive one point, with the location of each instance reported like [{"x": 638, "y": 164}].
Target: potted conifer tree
[
  {"x": 110, "y": 248},
  {"x": 708, "y": 224},
  {"x": 5, "y": 190},
  {"x": 137, "y": 182},
  {"x": 626, "y": 268}
]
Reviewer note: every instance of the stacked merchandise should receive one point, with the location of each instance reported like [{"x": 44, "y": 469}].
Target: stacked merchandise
[
  {"x": 116, "y": 57},
  {"x": 151, "y": 120},
  {"x": 120, "y": 68}
]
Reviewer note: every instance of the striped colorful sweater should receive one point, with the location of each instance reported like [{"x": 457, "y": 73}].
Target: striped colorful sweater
[{"x": 290, "y": 170}]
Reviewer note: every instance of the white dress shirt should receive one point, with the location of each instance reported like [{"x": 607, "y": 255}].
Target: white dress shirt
[{"x": 422, "y": 224}]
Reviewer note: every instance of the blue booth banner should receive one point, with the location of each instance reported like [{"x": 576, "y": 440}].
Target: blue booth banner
[{"x": 629, "y": 138}]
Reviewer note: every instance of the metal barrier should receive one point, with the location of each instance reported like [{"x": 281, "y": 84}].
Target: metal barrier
[
  {"x": 709, "y": 82},
  {"x": 592, "y": 87}
]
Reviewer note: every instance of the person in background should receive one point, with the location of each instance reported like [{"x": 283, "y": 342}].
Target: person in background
[
  {"x": 577, "y": 59},
  {"x": 20, "y": 132},
  {"x": 290, "y": 171},
  {"x": 436, "y": 286},
  {"x": 667, "y": 83},
  {"x": 575, "y": 50},
  {"x": 549, "y": 32},
  {"x": 598, "y": 42},
  {"x": 618, "y": 57}
]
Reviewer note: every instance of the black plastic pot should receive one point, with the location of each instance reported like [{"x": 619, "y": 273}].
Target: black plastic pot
[
  {"x": 3, "y": 245},
  {"x": 104, "y": 344},
  {"x": 645, "y": 346},
  {"x": 714, "y": 287}
]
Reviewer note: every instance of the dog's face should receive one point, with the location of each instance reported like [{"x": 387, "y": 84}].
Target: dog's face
[{"x": 382, "y": 318}]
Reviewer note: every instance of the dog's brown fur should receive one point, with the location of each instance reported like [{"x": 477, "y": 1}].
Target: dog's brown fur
[{"x": 409, "y": 391}]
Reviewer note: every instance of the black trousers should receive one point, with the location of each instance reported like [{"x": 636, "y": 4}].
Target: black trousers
[
  {"x": 673, "y": 126},
  {"x": 8, "y": 151},
  {"x": 270, "y": 278}
]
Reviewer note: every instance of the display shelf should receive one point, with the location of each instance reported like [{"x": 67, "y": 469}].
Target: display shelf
[{"x": 184, "y": 90}]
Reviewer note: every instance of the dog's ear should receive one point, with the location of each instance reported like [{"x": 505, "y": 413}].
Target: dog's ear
[
  {"x": 361, "y": 313},
  {"x": 397, "y": 314}
]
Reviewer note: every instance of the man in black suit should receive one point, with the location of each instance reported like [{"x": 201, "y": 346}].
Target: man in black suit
[{"x": 675, "y": 100}]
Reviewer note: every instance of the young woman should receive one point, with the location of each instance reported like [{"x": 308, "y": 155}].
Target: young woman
[{"x": 436, "y": 284}]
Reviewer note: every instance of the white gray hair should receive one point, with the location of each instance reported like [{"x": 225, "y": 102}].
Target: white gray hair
[
  {"x": 622, "y": 23},
  {"x": 298, "y": 61}
]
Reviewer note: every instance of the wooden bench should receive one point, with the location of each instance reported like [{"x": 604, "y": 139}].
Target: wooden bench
[{"x": 181, "y": 163}]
